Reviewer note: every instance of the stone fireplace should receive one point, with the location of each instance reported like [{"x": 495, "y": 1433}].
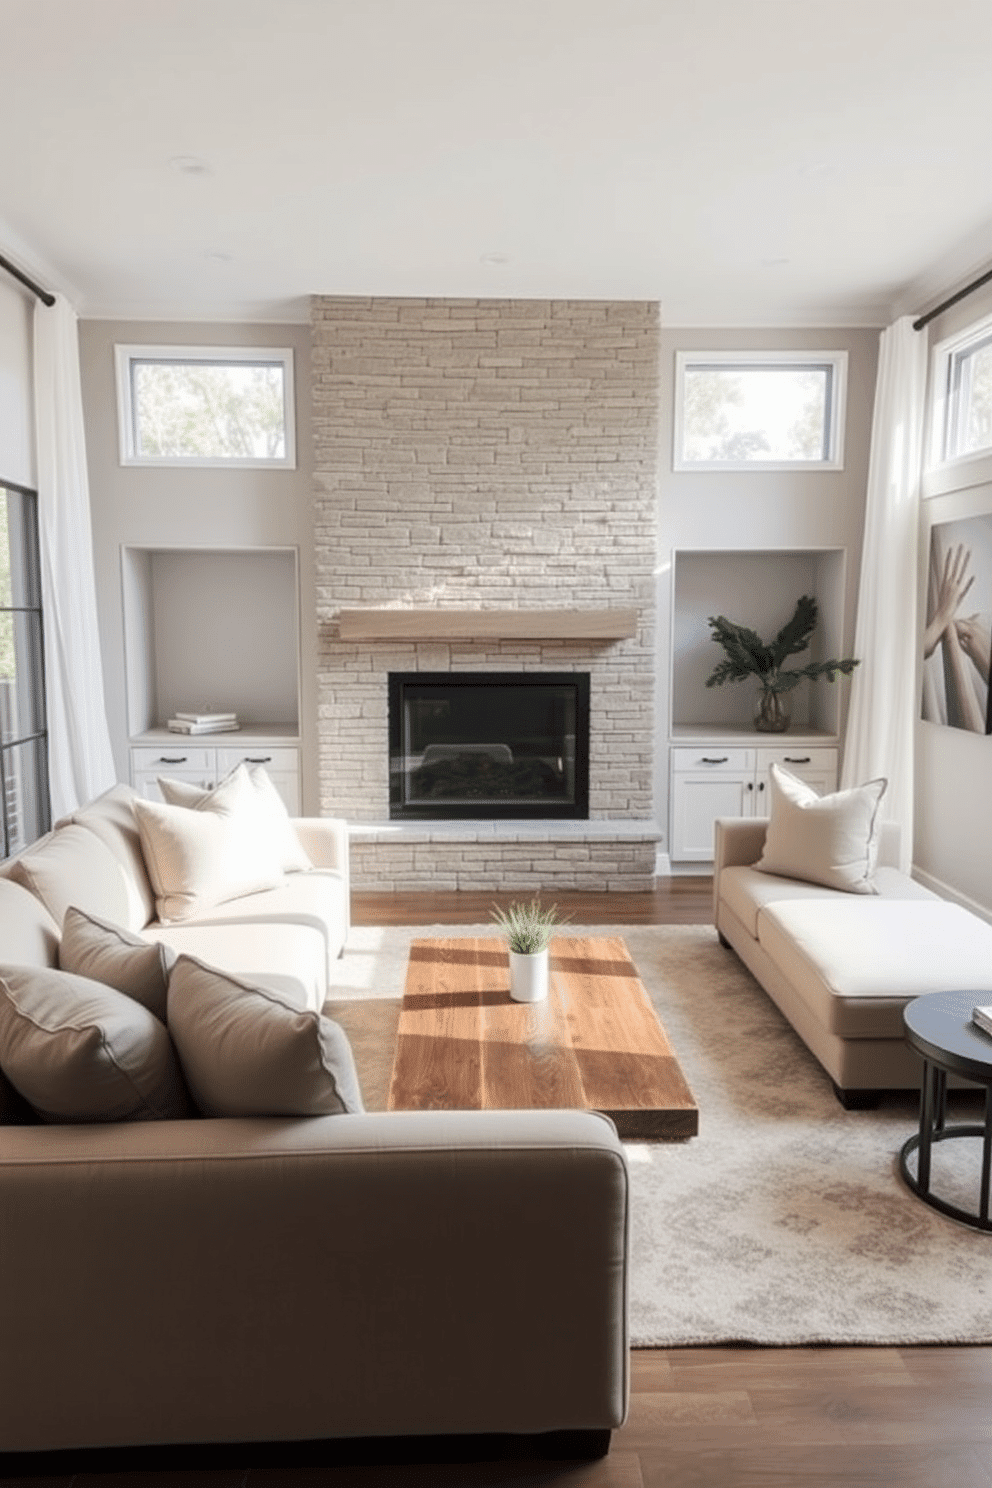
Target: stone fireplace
[{"x": 490, "y": 462}]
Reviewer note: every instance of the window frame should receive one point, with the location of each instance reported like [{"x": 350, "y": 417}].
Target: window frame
[
  {"x": 125, "y": 358},
  {"x": 836, "y": 411},
  {"x": 29, "y": 560},
  {"x": 945, "y": 407}
]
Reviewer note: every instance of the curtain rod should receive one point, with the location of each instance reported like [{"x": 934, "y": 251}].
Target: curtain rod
[
  {"x": 962, "y": 294},
  {"x": 36, "y": 289}
]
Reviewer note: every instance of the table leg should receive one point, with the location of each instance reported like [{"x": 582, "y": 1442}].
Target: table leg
[
  {"x": 926, "y": 1126},
  {"x": 940, "y": 1099},
  {"x": 983, "y": 1208}
]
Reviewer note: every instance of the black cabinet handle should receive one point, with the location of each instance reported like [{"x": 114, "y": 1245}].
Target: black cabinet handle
[
  {"x": 805, "y": 760},
  {"x": 750, "y": 785},
  {"x": 168, "y": 759},
  {"x": 722, "y": 761},
  {"x": 761, "y": 785},
  {"x": 261, "y": 759}
]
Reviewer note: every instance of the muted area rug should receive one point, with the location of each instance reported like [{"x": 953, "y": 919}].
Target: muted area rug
[{"x": 785, "y": 1221}]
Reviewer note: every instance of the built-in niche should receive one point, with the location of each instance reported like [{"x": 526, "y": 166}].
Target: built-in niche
[
  {"x": 758, "y": 589},
  {"x": 212, "y": 627}
]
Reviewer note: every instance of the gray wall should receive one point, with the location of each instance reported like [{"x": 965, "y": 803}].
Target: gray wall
[
  {"x": 953, "y": 816},
  {"x": 761, "y": 510},
  {"x": 193, "y": 508}
]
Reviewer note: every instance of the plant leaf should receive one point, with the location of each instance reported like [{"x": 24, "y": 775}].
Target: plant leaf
[{"x": 795, "y": 635}]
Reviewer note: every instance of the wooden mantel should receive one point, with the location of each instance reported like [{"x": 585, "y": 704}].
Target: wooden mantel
[{"x": 413, "y": 624}]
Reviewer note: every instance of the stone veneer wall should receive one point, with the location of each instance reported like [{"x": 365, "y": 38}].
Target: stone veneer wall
[{"x": 486, "y": 453}]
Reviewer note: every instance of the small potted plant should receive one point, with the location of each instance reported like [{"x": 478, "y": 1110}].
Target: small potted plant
[
  {"x": 749, "y": 656},
  {"x": 528, "y": 929}
]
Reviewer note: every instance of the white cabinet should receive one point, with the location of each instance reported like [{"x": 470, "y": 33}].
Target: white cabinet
[
  {"x": 204, "y": 765},
  {"x": 716, "y": 779}
]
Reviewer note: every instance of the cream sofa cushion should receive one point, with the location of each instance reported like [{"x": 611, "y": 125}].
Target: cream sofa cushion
[
  {"x": 94, "y": 948},
  {"x": 290, "y": 958},
  {"x": 198, "y": 857},
  {"x": 28, "y": 933},
  {"x": 271, "y": 820},
  {"x": 830, "y": 840},
  {"x": 745, "y": 891},
  {"x": 856, "y": 962},
  {"x": 247, "y": 1051},
  {"x": 73, "y": 866},
  {"x": 79, "y": 1051},
  {"x": 111, "y": 818}
]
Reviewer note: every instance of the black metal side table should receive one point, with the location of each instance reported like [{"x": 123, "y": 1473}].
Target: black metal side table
[{"x": 940, "y": 1028}]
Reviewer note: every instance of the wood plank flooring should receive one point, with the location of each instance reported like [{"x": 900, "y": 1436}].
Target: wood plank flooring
[{"x": 705, "y": 1417}]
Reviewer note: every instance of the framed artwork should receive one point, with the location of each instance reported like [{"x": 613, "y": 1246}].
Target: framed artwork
[{"x": 957, "y": 640}]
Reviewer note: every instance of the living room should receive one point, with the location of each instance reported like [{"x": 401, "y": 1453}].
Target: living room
[{"x": 488, "y": 375}]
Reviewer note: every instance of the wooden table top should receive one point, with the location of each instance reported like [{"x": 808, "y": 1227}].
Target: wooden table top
[{"x": 596, "y": 1043}]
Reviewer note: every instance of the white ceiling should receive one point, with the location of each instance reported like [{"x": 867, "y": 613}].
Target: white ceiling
[{"x": 742, "y": 161}]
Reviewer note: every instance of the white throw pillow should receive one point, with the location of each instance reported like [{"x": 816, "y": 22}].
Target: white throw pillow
[
  {"x": 830, "y": 840},
  {"x": 247, "y": 1051},
  {"x": 272, "y": 820},
  {"x": 203, "y": 856}
]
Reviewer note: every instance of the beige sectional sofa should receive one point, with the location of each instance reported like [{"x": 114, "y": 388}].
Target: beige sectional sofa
[
  {"x": 842, "y": 966},
  {"x": 286, "y": 1280}
]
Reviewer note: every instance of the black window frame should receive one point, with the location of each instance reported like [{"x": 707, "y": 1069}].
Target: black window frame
[{"x": 26, "y": 586}]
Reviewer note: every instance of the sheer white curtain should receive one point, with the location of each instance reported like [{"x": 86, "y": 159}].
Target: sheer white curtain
[
  {"x": 883, "y": 708},
  {"x": 80, "y": 759}
]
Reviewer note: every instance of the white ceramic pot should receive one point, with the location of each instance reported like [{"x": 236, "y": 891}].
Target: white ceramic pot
[{"x": 529, "y": 976}]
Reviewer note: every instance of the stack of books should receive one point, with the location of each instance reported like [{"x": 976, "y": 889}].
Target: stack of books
[
  {"x": 206, "y": 722},
  {"x": 983, "y": 1017}
]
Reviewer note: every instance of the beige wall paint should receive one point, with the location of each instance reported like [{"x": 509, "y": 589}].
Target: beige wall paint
[
  {"x": 953, "y": 815},
  {"x": 761, "y": 510},
  {"x": 193, "y": 508}
]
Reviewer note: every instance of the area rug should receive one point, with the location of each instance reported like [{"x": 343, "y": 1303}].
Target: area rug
[{"x": 785, "y": 1220}]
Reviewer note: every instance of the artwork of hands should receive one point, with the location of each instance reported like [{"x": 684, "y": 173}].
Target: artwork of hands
[{"x": 963, "y": 639}]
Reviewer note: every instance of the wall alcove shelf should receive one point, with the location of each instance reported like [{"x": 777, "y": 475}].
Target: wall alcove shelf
[{"x": 412, "y": 624}]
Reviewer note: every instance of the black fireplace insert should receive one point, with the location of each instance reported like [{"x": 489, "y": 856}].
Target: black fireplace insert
[{"x": 488, "y": 744}]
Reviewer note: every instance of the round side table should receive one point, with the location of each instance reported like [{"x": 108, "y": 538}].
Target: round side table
[{"x": 940, "y": 1028}]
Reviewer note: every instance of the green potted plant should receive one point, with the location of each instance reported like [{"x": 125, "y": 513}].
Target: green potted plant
[
  {"x": 749, "y": 656},
  {"x": 528, "y": 929}
]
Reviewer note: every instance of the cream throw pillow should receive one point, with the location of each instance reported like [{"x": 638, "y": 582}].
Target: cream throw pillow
[
  {"x": 830, "y": 840},
  {"x": 200, "y": 857},
  {"x": 247, "y": 1051},
  {"x": 272, "y": 820}
]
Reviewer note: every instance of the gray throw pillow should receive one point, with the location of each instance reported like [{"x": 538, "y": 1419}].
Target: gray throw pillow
[
  {"x": 105, "y": 953},
  {"x": 247, "y": 1051},
  {"x": 78, "y": 1051}
]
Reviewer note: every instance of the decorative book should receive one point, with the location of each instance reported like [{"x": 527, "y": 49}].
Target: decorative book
[
  {"x": 185, "y": 726},
  {"x": 207, "y": 716}
]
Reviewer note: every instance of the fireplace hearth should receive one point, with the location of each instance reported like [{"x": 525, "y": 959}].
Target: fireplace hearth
[{"x": 488, "y": 744}]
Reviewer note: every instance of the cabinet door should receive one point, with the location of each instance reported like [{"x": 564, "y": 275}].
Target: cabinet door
[
  {"x": 818, "y": 767},
  {"x": 145, "y": 782},
  {"x": 697, "y": 800},
  {"x": 281, "y": 763}
]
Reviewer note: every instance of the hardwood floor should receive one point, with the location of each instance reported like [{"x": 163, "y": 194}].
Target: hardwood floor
[
  {"x": 702, "y": 1417},
  {"x": 676, "y": 901}
]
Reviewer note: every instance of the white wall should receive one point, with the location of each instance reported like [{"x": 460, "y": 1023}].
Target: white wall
[
  {"x": 165, "y": 508},
  {"x": 761, "y": 510},
  {"x": 953, "y": 812},
  {"x": 17, "y": 447}
]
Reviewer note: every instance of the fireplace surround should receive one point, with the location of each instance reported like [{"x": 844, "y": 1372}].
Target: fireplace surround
[
  {"x": 500, "y": 457},
  {"x": 511, "y": 745}
]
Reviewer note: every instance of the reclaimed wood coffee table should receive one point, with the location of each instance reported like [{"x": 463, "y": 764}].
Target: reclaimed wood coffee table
[{"x": 596, "y": 1043}]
